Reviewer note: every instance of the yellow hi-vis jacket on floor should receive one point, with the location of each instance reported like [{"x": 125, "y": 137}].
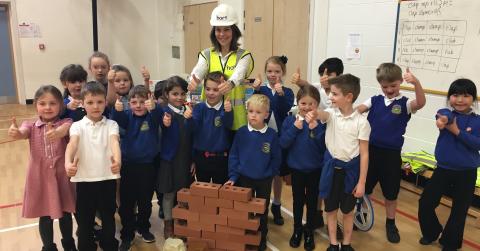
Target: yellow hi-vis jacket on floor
[{"x": 237, "y": 94}]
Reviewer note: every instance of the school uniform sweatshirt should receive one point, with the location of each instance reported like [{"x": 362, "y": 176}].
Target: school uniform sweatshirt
[
  {"x": 459, "y": 152},
  {"x": 140, "y": 142},
  {"x": 254, "y": 154},
  {"x": 305, "y": 146},
  {"x": 211, "y": 128},
  {"x": 279, "y": 105}
]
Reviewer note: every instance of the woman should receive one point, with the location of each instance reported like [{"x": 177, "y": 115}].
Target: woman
[{"x": 225, "y": 56}]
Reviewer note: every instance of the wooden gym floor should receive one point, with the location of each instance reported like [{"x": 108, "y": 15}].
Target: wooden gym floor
[{"x": 17, "y": 233}]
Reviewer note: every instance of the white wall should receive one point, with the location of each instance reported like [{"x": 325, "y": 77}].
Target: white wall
[{"x": 375, "y": 21}]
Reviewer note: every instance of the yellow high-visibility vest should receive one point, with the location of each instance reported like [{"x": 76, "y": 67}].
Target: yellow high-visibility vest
[{"x": 237, "y": 94}]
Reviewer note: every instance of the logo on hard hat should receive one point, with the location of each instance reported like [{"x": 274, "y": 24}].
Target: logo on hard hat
[{"x": 221, "y": 18}]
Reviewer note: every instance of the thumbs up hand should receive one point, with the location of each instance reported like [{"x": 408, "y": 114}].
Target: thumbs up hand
[
  {"x": 74, "y": 104},
  {"x": 442, "y": 121},
  {"x": 72, "y": 168},
  {"x": 13, "y": 131},
  {"x": 278, "y": 87},
  {"x": 167, "y": 119},
  {"x": 410, "y": 78},
  {"x": 111, "y": 75},
  {"x": 225, "y": 86},
  {"x": 296, "y": 77},
  {"x": 227, "y": 105},
  {"x": 51, "y": 133},
  {"x": 258, "y": 82},
  {"x": 324, "y": 79},
  {"x": 115, "y": 167},
  {"x": 313, "y": 124},
  {"x": 150, "y": 103},
  {"x": 298, "y": 123},
  {"x": 118, "y": 104},
  {"x": 145, "y": 74},
  {"x": 311, "y": 116},
  {"x": 193, "y": 83},
  {"x": 188, "y": 112}
]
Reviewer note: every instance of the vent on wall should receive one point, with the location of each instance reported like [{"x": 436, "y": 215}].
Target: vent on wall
[{"x": 176, "y": 52}]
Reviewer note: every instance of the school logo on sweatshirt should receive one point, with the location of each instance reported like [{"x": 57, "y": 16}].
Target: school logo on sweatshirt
[
  {"x": 312, "y": 134},
  {"x": 144, "y": 126},
  {"x": 396, "y": 109},
  {"x": 217, "y": 121},
  {"x": 266, "y": 147}
]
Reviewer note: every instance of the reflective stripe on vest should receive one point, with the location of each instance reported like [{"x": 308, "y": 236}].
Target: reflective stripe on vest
[{"x": 237, "y": 94}]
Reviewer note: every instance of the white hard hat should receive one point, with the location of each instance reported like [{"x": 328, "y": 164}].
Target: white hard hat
[{"x": 223, "y": 15}]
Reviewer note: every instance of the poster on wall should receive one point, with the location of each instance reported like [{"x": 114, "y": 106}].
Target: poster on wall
[
  {"x": 29, "y": 30},
  {"x": 353, "y": 48}
]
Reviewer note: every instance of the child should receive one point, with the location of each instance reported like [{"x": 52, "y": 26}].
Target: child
[
  {"x": 212, "y": 121},
  {"x": 255, "y": 156},
  {"x": 48, "y": 192},
  {"x": 281, "y": 101},
  {"x": 176, "y": 159},
  {"x": 161, "y": 100},
  {"x": 93, "y": 161},
  {"x": 346, "y": 161},
  {"x": 457, "y": 158},
  {"x": 330, "y": 68},
  {"x": 120, "y": 77},
  {"x": 73, "y": 78},
  {"x": 305, "y": 142},
  {"x": 141, "y": 124},
  {"x": 99, "y": 66},
  {"x": 388, "y": 117}
]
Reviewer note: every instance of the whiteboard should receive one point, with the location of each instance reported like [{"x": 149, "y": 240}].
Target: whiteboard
[{"x": 440, "y": 41}]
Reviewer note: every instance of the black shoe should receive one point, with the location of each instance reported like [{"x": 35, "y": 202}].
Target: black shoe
[
  {"x": 318, "y": 222},
  {"x": 97, "y": 232},
  {"x": 347, "y": 248},
  {"x": 448, "y": 249},
  {"x": 263, "y": 244},
  {"x": 277, "y": 216},
  {"x": 69, "y": 244},
  {"x": 339, "y": 233},
  {"x": 126, "y": 245},
  {"x": 424, "y": 241},
  {"x": 333, "y": 248},
  {"x": 147, "y": 236},
  {"x": 296, "y": 237},
  {"x": 392, "y": 233},
  {"x": 309, "y": 241},
  {"x": 52, "y": 247},
  {"x": 160, "y": 213}
]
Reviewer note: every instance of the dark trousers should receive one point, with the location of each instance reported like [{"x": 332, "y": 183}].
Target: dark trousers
[
  {"x": 261, "y": 189},
  {"x": 45, "y": 226},
  {"x": 462, "y": 186},
  {"x": 91, "y": 197},
  {"x": 136, "y": 190},
  {"x": 213, "y": 168},
  {"x": 305, "y": 190}
]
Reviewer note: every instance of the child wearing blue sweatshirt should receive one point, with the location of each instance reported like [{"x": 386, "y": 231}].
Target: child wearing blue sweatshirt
[
  {"x": 176, "y": 168},
  {"x": 346, "y": 159},
  {"x": 281, "y": 101},
  {"x": 388, "y": 116},
  {"x": 457, "y": 155},
  {"x": 305, "y": 142},
  {"x": 212, "y": 121},
  {"x": 139, "y": 148},
  {"x": 255, "y": 156}
]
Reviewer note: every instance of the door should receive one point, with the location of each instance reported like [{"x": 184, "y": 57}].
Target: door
[{"x": 8, "y": 90}]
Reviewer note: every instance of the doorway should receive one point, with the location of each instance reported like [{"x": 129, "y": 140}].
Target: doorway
[{"x": 8, "y": 90}]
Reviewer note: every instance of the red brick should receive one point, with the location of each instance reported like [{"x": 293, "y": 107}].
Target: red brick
[
  {"x": 205, "y": 189},
  {"x": 186, "y": 231},
  {"x": 256, "y": 205},
  {"x": 214, "y": 235},
  {"x": 251, "y": 224},
  {"x": 219, "y": 249},
  {"x": 210, "y": 242},
  {"x": 234, "y": 214},
  {"x": 183, "y": 195},
  {"x": 185, "y": 214},
  {"x": 214, "y": 218},
  {"x": 207, "y": 226},
  {"x": 229, "y": 230},
  {"x": 228, "y": 245},
  {"x": 204, "y": 209},
  {"x": 251, "y": 248},
  {"x": 197, "y": 245},
  {"x": 251, "y": 239},
  {"x": 195, "y": 202},
  {"x": 195, "y": 225},
  {"x": 224, "y": 203},
  {"x": 235, "y": 193}
]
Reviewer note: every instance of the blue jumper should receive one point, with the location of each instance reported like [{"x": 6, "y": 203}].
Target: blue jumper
[{"x": 352, "y": 173}]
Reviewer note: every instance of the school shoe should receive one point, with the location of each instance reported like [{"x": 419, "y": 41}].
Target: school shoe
[
  {"x": 146, "y": 236},
  {"x": 69, "y": 244},
  {"x": 263, "y": 244},
  {"x": 392, "y": 233},
  {"x": 52, "y": 247},
  {"x": 333, "y": 248},
  {"x": 296, "y": 237},
  {"x": 318, "y": 222},
  {"x": 277, "y": 215},
  {"x": 126, "y": 245},
  {"x": 448, "y": 249},
  {"x": 424, "y": 241},
  {"x": 347, "y": 248},
  {"x": 309, "y": 241}
]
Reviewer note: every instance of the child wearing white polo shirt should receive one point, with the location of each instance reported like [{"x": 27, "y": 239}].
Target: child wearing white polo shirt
[
  {"x": 346, "y": 159},
  {"x": 93, "y": 160}
]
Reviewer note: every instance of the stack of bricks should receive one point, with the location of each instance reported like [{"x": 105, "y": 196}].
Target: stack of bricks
[{"x": 221, "y": 216}]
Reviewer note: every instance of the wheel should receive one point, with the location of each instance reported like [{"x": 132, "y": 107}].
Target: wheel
[{"x": 363, "y": 216}]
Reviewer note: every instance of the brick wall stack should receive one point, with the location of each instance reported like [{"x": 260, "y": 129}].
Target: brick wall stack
[{"x": 221, "y": 216}]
